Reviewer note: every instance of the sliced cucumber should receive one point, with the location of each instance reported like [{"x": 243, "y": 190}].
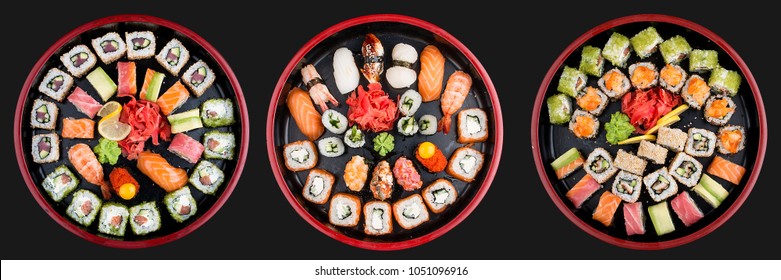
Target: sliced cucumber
[
  {"x": 660, "y": 217},
  {"x": 570, "y": 156}
]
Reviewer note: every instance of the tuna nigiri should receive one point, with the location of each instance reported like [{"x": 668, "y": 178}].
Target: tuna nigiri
[
  {"x": 432, "y": 73},
  {"x": 126, "y": 78},
  {"x": 161, "y": 172},
  {"x": 634, "y": 219},
  {"x": 583, "y": 190},
  {"x": 85, "y": 162},
  {"x": 726, "y": 170},
  {"x": 608, "y": 204},
  {"x": 457, "y": 89},
  {"x": 686, "y": 209},
  {"x": 304, "y": 113},
  {"x": 174, "y": 97},
  {"x": 78, "y": 128},
  {"x": 84, "y": 102},
  {"x": 345, "y": 71}
]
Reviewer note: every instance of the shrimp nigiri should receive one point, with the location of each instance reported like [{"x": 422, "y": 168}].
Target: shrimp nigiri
[
  {"x": 85, "y": 162},
  {"x": 317, "y": 89},
  {"x": 373, "y": 52},
  {"x": 456, "y": 90}
]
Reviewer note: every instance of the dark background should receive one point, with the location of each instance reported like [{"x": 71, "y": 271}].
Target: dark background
[{"x": 515, "y": 46}]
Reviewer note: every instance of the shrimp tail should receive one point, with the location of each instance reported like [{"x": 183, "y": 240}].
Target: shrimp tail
[
  {"x": 444, "y": 124},
  {"x": 105, "y": 189}
]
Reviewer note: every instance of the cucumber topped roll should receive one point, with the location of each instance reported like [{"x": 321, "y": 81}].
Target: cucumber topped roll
[{"x": 355, "y": 138}]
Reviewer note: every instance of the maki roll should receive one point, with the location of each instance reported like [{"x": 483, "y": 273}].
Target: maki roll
[
  {"x": 354, "y": 138},
  {"x": 695, "y": 92},
  {"x": 592, "y": 100},
  {"x": 381, "y": 184},
  {"x": 719, "y": 109},
  {"x": 671, "y": 138},
  {"x": 732, "y": 139},
  {"x": 614, "y": 84},
  {"x": 199, "y": 77},
  {"x": 180, "y": 204},
  {"x": 591, "y": 61},
  {"x": 472, "y": 126},
  {"x": 355, "y": 173},
  {"x": 173, "y": 56},
  {"x": 345, "y": 210},
  {"x": 571, "y": 81},
  {"x": 660, "y": 217},
  {"x": 675, "y": 49},
  {"x": 584, "y": 125},
  {"x": 144, "y": 218},
  {"x": 79, "y": 60},
  {"x": 703, "y": 60},
  {"x": 655, "y": 153},
  {"x": 686, "y": 169},
  {"x": 59, "y": 183},
  {"x": 56, "y": 84},
  {"x": 724, "y": 81},
  {"x": 217, "y": 112},
  {"x": 407, "y": 126},
  {"x": 331, "y": 146},
  {"x": 567, "y": 163},
  {"x": 334, "y": 121},
  {"x": 439, "y": 195},
  {"x": 465, "y": 164},
  {"x": 219, "y": 145},
  {"x": 46, "y": 148},
  {"x": 660, "y": 185},
  {"x": 410, "y": 211},
  {"x": 686, "y": 209},
  {"x": 44, "y": 115},
  {"x": 318, "y": 186},
  {"x": 427, "y": 125},
  {"x": 629, "y": 162},
  {"x": 643, "y": 75},
  {"x": 207, "y": 177},
  {"x": 140, "y": 44},
  {"x": 186, "y": 147},
  {"x": 409, "y": 102},
  {"x": 300, "y": 155},
  {"x": 559, "y": 108},
  {"x": 113, "y": 219},
  {"x": 402, "y": 75},
  {"x": 377, "y": 217},
  {"x": 109, "y": 47},
  {"x": 84, "y": 207},
  {"x": 617, "y": 50},
  {"x": 599, "y": 165},
  {"x": 700, "y": 142},
  {"x": 627, "y": 186},
  {"x": 672, "y": 78},
  {"x": 646, "y": 42}
]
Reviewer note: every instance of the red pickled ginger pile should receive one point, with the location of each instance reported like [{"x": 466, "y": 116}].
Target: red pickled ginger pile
[
  {"x": 146, "y": 122},
  {"x": 372, "y": 110},
  {"x": 645, "y": 107}
]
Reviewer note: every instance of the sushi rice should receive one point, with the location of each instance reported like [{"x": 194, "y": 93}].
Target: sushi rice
[
  {"x": 407, "y": 126},
  {"x": 331, "y": 147},
  {"x": 427, "y": 125},
  {"x": 334, "y": 121},
  {"x": 207, "y": 177},
  {"x": 409, "y": 102}
]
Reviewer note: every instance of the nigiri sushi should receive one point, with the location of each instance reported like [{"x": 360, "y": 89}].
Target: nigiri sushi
[
  {"x": 86, "y": 163},
  {"x": 355, "y": 173},
  {"x": 432, "y": 73},
  {"x": 686, "y": 209},
  {"x": 726, "y": 170},
  {"x": 161, "y": 172},
  {"x": 317, "y": 89},
  {"x": 372, "y": 52},
  {"x": 381, "y": 184},
  {"x": 304, "y": 113},
  {"x": 84, "y": 102},
  {"x": 345, "y": 71},
  {"x": 458, "y": 86},
  {"x": 402, "y": 75}
]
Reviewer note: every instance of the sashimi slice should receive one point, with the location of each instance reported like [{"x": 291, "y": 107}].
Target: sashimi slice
[
  {"x": 186, "y": 147},
  {"x": 127, "y": 79},
  {"x": 78, "y": 128},
  {"x": 84, "y": 102},
  {"x": 174, "y": 97},
  {"x": 726, "y": 170},
  {"x": 686, "y": 209},
  {"x": 583, "y": 190},
  {"x": 161, "y": 172},
  {"x": 304, "y": 113},
  {"x": 432, "y": 73},
  {"x": 608, "y": 204},
  {"x": 634, "y": 219}
]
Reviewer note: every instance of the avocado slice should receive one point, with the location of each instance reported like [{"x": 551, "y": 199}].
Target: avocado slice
[
  {"x": 566, "y": 158},
  {"x": 185, "y": 121},
  {"x": 705, "y": 194},
  {"x": 660, "y": 217},
  {"x": 153, "y": 91},
  {"x": 713, "y": 187},
  {"x": 102, "y": 83}
]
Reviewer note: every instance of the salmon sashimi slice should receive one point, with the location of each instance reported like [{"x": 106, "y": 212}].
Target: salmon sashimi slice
[
  {"x": 85, "y": 162},
  {"x": 157, "y": 168},
  {"x": 432, "y": 73},
  {"x": 304, "y": 113},
  {"x": 583, "y": 190},
  {"x": 84, "y": 102},
  {"x": 78, "y": 128},
  {"x": 608, "y": 204},
  {"x": 456, "y": 90},
  {"x": 686, "y": 209},
  {"x": 174, "y": 97},
  {"x": 567, "y": 169},
  {"x": 634, "y": 219},
  {"x": 127, "y": 79},
  {"x": 726, "y": 170}
]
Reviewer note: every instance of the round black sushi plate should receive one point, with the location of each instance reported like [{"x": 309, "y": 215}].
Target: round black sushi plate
[
  {"x": 224, "y": 86},
  {"x": 390, "y": 29},
  {"x": 551, "y": 141}
]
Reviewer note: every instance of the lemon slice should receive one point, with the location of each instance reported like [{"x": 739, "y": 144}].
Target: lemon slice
[
  {"x": 112, "y": 129},
  {"x": 109, "y": 108},
  {"x": 663, "y": 122},
  {"x": 637, "y": 139}
]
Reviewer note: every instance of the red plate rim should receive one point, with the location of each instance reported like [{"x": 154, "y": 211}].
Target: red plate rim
[
  {"x": 760, "y": 112},
  {"x": 71, "y": 226},
  {"x": 397, "y": 245}
]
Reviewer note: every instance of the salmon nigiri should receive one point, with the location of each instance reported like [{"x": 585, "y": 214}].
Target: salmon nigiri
[
  {"x": 85, "y": 162},
  {"x": 432, "y": 73},
  {"x": 174, "y": 97},
  {"x": 161, "y": 172},
  {"x": 608, "y": 204},
  {"x": 78, "y": 128},
  {"x": 303, "y": 111},
  {"x": 126, "y": 72},
  {"x": 457, "y": 89}
]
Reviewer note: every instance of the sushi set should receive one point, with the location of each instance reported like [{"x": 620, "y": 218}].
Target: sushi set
[
  {"x": 649, "y": 132},
  {"x": 131, "y": 131},
  {"x": 384, "y": 132}
]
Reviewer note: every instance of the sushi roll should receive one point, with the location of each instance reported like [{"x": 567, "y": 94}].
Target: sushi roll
[
  {"x": 599, "y": 165},
  {"x": 79, "y": 60},
  {"x": 650, "y": 151},
  {"x": 643, "y": 75},
  {"x": 56, "y": 84},
  {"x": 84, "y": 103},
  {"x": 300, "y": 155},
  {"x": 84, "y": 207},
  {"x": 59, "y": 183},
  {"x": 592, "y": 100},
  {"x": 402, "y": 75},
  {"x": 732, "y": 139},
  {"x": 675, "y": 49},
  {"x": 439, "y": 195},
  {"x": 180, "y": 204},
  {"x": 334, "y": 121},
  {"x": 724, "y": 81},
  {"x": 700, "y": 142},
  {"x": 583, "y": 190},
  {"x": 646, "y": 42},
  {"x": 684, "y": 206},
  {"x": 629, "y": 162},
  {"x": 355, "y": 138},
  {"x": 113, "y": 219},
  {"x": 381, "y": 183},
  {"x": 660, "y": 184},
  {"x": 703, "y": 60},
  {"x": 144, "y": 218},
  {"x": 614, "y": 84},
  {"x": 356, "y": 171},
  {"x": 719, "y": 109},
  {"x": 198, "y": 77},
  {"x": 345, "y": 210},
  {"x": 661, "y": 219},
  {"x": 465, "y": 164},
  {"x": 695, "y": 92},
  {"x": 175, "y": 96},
  {"x": 671, "y": 138},
  {"x": 185, "y": 121},
  {"x": 102, "y": 83},
  {"x": 186, "y": 147},
  {"x": 318, "y": 186},
  {"x": 409, "y": 102},
  {"x": 571, "y": 81},
  {"x": 617, "y": 50},
  {"x": 559, "y": 108},
  {"x": 345, "y": 71},
  {"x": 591, "y": 61},
  {"x": 472, "y": 126},
  {"x": 377, "y": 217},
  {"x": 584, "y": 125},
  {"x": 140, "y": 44},
  {"x": 606, "y": 209},
  {"x": 672, "y": 78},
  {"x": 219, "y": 145},
  {"x": 207, "y": 177},
  {"x": 686, "y": 169},
  {"x": 217, "y": 112},
  {"x": 634, "y": 218},
  {"x": 46, "y": 148},
  {"x": 109, "y": 47},
  {"x": 567, "y": 163},
  {"x": 44, "y": 115},
  {"x": 406, "y": 175},
  {"x": 407, "y": 126},
  {"x": 627, "y": 186},
  {"x": 727, "y": 170},
  {"x": 711, "y": 191},
  {"x": 331, "y": 146},
  {"x": 427, "y": 125},
  {"x": 410, "y": 211},
  {"x": 173, "y": 56}
]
